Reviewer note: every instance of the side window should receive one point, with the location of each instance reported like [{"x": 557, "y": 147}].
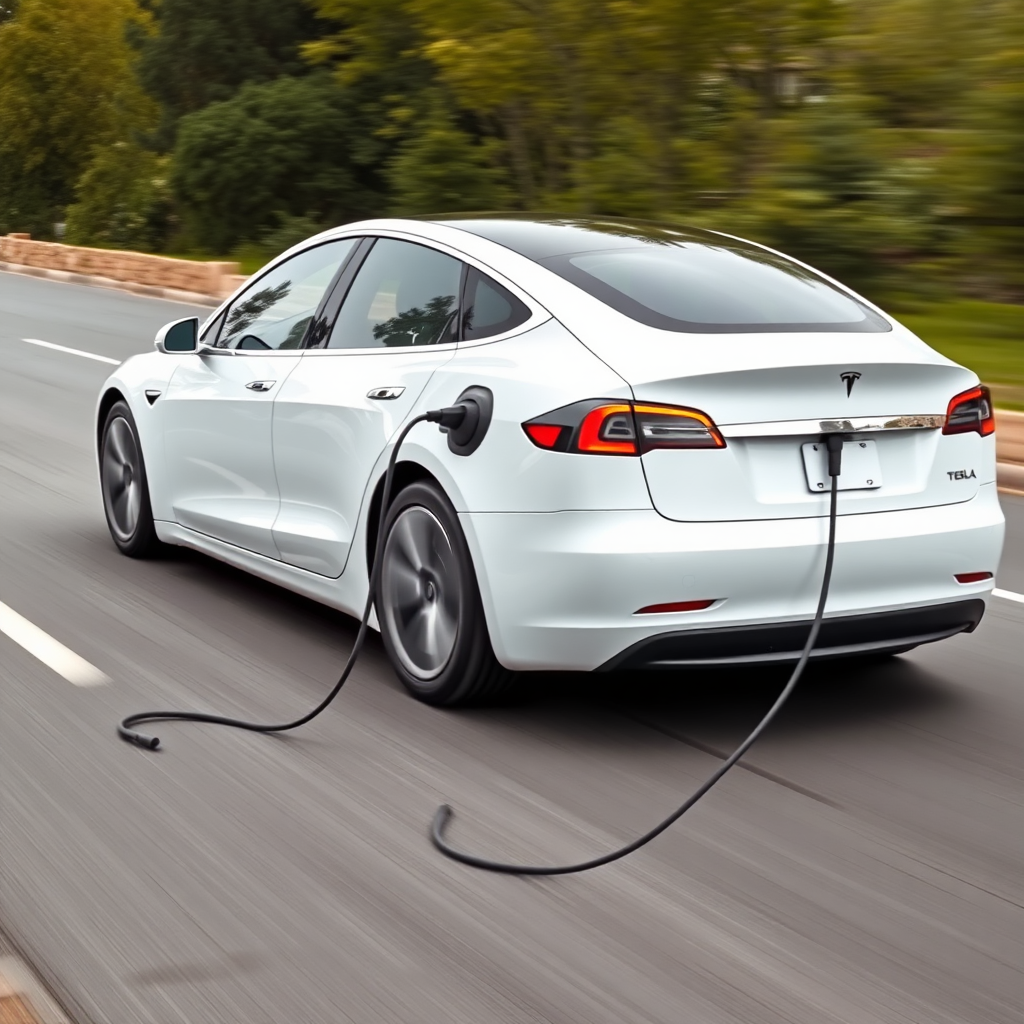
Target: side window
[
  {"x": 489, "y": 308},
  {"x": 276, "y": 311},
  {"x": 404, "y": 294}
]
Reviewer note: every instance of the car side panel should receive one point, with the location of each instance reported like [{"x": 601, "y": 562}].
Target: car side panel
[
  {"x": 529, "y": 374},
  {"x": 150, "y": 371}
]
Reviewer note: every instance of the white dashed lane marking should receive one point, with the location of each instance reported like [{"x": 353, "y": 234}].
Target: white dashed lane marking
[
  {"x": 1008, "y": 595},
  {"x": 50, "y": 652},
  {"x": 72, "y": 351}
]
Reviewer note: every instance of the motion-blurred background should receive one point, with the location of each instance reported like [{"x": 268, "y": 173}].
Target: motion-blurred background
[{"x": 880, "y": 140}]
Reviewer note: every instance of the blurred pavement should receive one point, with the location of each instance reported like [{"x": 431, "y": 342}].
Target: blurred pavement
[{"x": 866, "y": 868}]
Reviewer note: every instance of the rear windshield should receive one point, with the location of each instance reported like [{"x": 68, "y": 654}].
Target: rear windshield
[{"x": 714, "y": 289}]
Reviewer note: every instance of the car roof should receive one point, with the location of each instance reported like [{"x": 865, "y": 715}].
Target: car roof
[{"x": 540, "y": 237}]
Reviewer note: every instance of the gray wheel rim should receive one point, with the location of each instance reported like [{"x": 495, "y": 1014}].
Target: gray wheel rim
[
  {"x": 420, "y": 592},
  {"x": 122, "y": 479}
]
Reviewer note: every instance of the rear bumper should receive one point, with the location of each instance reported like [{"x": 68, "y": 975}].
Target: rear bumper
[
  {"x": 841, "y": 637},
  {"x": 561, "y": 590}
]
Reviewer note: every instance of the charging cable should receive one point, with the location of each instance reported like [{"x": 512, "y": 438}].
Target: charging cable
[
  {"x": 834, "y": 446},
  {"x": 451, "y": 418},
  {"x": 448, "y": 418}
]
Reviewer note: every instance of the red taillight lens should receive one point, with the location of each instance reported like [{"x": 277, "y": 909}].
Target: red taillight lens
[
  {"x": 622, "y": 428},
  {"x": 971, "y": 412},
  {"x": 972, "y": 577},
  {"x": 674, "y": 606},
  {"x": 544, "y": 435}
]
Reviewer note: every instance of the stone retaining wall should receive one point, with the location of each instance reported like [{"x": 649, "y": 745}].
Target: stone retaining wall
[
  {"x": 1009, "y": 436},
  {"x": 216, "y": 280}
]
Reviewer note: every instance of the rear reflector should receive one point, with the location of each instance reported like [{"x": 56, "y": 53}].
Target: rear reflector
[
  {"x": 972, "y": 577},
  {"x": 674, "y": 606},
  {"x": 543, "y": 434}
]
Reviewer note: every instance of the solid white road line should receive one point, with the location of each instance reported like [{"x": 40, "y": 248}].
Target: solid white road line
[
  {"x": 51, "y": 653},
  {"x": 72, "y": 351},
  {"x": 1008, "y": 595}
]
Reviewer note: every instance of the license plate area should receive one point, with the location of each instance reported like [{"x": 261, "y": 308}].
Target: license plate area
[{"x": 860, "y": 470}]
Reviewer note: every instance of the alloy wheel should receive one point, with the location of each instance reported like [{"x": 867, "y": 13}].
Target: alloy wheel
[
  {"x": 420, "y": 592},
  {"x": 122, "y": 478}
]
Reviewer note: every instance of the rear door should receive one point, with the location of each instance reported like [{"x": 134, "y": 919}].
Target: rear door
[
  {"x": 397, "y": 323},
  {"x": 218, "y": 408}
]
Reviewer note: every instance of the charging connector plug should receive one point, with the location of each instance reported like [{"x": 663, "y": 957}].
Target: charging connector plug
[
  {"x": 449, "y": 417},
  {"x": 834, "y": 445}
]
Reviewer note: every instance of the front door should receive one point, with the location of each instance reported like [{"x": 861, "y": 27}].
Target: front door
[
  {"x": 219, "y": 406},
  {"x": 340, "y": 407}
]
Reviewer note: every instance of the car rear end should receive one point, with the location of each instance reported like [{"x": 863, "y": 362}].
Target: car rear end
[{"x": 740, "y": 362}]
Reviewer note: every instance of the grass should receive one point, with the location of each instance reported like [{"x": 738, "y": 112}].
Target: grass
[{"x": 988, "y": 337}]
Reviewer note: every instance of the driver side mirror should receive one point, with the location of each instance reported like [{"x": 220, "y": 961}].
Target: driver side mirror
[{"x": 179, "y": 336}]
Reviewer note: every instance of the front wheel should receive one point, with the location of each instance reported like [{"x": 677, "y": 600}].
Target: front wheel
[
  {"x": 429, "y": 607},
  {"x": 125, "y": 487}
]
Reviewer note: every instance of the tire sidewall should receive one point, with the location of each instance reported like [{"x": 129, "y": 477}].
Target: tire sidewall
[
  {"x": 143, "y": 540},
  {"x": 472, "y": 642}
]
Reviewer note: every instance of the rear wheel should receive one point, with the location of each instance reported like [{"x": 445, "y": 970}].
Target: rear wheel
[
  {"x": 428, "y": 605},
  {"x": 125, "y": 487}
]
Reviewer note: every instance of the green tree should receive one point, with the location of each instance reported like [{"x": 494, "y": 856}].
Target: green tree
[
  {"x": 830, "y": 197},
  {"x": 913, "y": 58},
  {"x": 986, "y": 168},
  {"x": 564, "y": 87},
  {"x": 202, "y": 51},
  {"x": 123, "y": 200},
  {"x": 283, "y": 149},
  {"x": 439, "y": 168},
  {"x": 66, "y": 86}
]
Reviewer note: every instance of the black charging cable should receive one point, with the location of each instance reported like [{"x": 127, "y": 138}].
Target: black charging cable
[
  {"x": 834, "y": 446},
  {"x": 448, "y": 418}
]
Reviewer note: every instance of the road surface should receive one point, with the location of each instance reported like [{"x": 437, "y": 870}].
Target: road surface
[{"x": 865, "y": 867}]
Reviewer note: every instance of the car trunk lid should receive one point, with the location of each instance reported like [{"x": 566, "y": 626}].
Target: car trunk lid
[{"x": 771, "y": 396}]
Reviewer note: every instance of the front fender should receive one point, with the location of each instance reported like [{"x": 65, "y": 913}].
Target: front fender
[{"x": 137, "y": 375}]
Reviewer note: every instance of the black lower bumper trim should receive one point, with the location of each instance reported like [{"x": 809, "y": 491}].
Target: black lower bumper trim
[{"x": 843, "y": 636}]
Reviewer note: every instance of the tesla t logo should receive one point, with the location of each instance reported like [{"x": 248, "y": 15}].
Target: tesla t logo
[{"x": 850, "y": 378}]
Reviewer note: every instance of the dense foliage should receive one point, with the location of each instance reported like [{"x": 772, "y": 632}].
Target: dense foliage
[{"x": 881, "y": 140}]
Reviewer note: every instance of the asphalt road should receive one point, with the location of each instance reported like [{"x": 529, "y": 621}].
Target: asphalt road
[{"x": 866, "y": 867}]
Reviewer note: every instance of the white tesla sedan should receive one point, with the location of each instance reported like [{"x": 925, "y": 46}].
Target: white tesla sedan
[{"x": 646, "y": 486}]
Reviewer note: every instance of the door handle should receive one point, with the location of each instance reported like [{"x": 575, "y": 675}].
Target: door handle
[
  {"x": 384, "y": 394},
  {"x": 261, "y": 385}
]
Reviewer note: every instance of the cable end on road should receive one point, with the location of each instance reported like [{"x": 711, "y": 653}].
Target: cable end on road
[{"x": 140, "y": 739}]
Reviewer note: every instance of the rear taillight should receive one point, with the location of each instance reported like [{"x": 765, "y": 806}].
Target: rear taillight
[
  {"x": 602, "y": 427},
  {"x": 970, "y": 412}
]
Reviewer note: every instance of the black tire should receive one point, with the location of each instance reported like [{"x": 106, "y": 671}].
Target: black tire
[
  {"x": 429, "y": 608},
  {"x": 125, "y": 487}
]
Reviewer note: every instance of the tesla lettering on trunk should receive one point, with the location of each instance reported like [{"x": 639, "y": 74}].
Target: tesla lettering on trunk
[{"x": 961, "y": 474}]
